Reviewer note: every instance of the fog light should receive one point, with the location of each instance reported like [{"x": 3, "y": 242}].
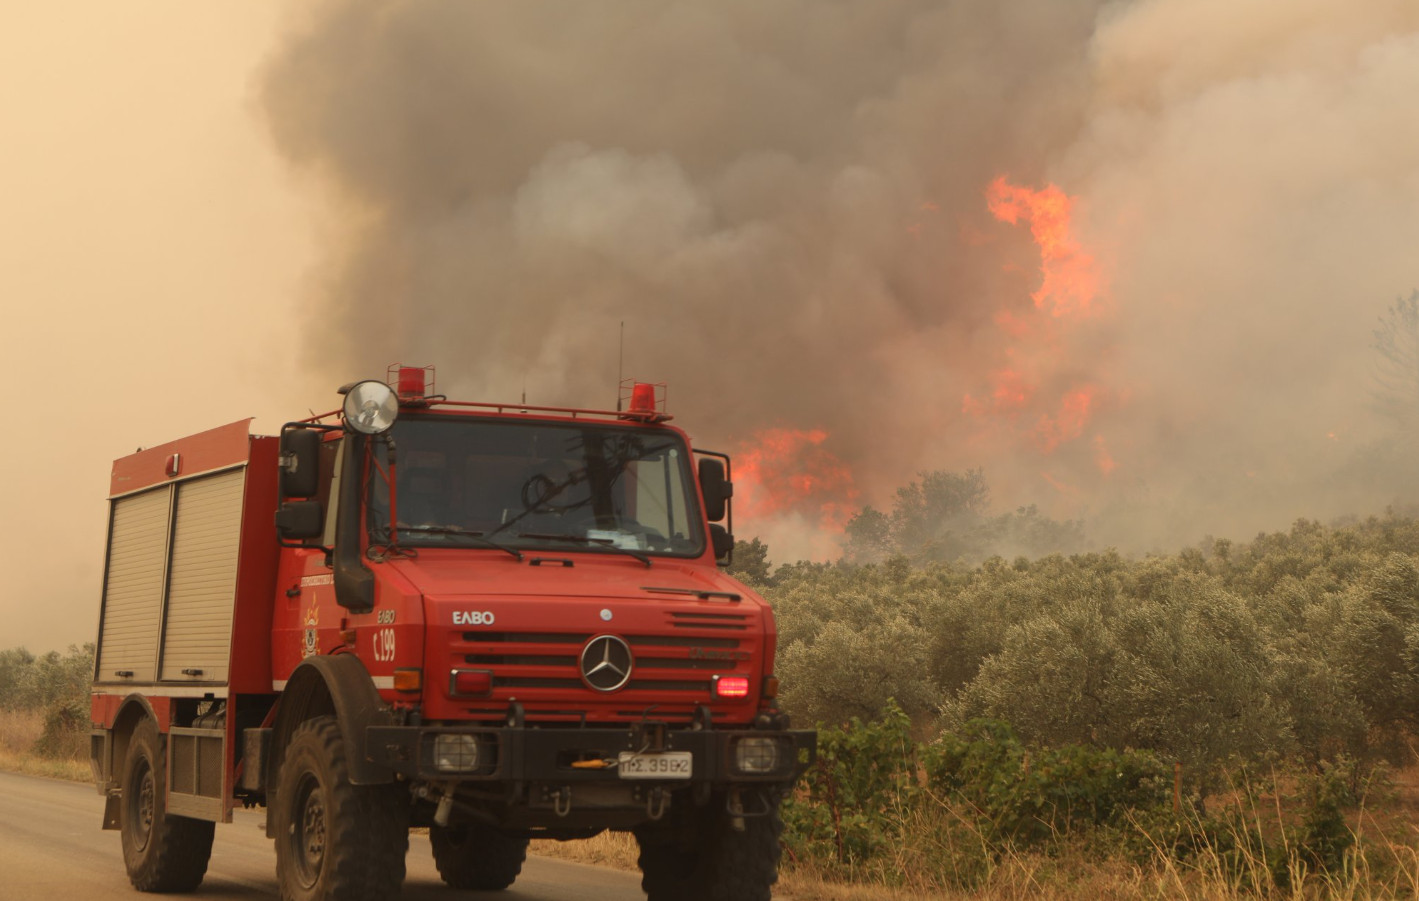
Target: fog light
[
  {"x": 756, "y": 755},
  {"x": 455, "y": 753}
]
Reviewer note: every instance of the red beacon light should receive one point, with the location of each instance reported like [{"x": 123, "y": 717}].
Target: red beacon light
[
  {"x": 645, "y": 401},
  {"x": 412, "y": 383},
  {"x": 643, "y": 398}
]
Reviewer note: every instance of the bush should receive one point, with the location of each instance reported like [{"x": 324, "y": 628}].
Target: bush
[
  {"x": 953, "y": 813},
  {"x": 1033, "y": 795},
  {"x": 850, "y": 806},
  {"x": 58, "y": 687},
  {"x": 1300, "y": 646},
  {"x": 66, "y": 732},
  {"x": 28, "y": 682},
  {"x": 1326, "y": 839}
]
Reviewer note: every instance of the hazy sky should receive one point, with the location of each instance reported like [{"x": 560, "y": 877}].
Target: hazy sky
[
  {"x": 213, "y": 211},
  {"x": 151, "y": 255}
]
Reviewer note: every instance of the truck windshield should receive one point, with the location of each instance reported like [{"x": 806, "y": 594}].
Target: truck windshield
[{"x": 470, "y": 482}]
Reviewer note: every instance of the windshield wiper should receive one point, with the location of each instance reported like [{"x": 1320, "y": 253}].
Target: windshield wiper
[
  {"x": 481, "y": 537},
  {"x": 606, "y": 543}
]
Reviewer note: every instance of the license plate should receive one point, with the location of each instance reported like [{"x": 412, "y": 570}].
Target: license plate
[{"x": 661, "y": 765}]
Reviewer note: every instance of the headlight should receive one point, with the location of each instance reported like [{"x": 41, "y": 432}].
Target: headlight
[
  {"x": 370, "y": 407},
  {"x": 757, "y": 756},
  {"x": 455, "y": 753}
]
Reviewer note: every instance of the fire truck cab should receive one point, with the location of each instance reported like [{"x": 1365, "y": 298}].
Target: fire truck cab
[{"x": 497, "y": 621}]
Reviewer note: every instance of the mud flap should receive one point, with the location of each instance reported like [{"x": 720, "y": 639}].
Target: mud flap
[{"x": 110, "y": 810}]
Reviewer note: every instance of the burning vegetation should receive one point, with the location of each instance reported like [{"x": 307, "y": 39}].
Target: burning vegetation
[{"x": 1039, "y": 400}]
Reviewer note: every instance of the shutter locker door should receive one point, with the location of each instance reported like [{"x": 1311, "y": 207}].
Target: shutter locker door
[
  {"x": 202, "y": 582},
  {"x": 133, "y": 589}
]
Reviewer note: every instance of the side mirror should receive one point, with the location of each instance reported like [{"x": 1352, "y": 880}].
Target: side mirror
[
  {"x": 300, "y": 462},
  {"x": 299, "y": 520},
  {"x": 715, "y": 487},
  {"x": 722, "y": 541}
]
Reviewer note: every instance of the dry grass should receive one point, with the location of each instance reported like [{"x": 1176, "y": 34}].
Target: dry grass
[
  {"x": 609, "y": 849},
  {"x": 19, "y": 730},
  {"x": 942, "y": 855},
  {"x": 1015, "y": 878},
  {"x": 1386, "y": 868},
  {"x": 618, "y": 851},
  {"x": 1075, "y": 877}
]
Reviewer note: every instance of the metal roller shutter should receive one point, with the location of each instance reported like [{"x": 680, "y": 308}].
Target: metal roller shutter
[
  {"x": 133, "y": 587},
  {"x": 202, "y": 581}
]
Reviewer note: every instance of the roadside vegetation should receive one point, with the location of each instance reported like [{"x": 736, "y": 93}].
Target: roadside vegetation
[
  {"x": 44, "y": 712},
  {"x": 1235, "y": 719}
]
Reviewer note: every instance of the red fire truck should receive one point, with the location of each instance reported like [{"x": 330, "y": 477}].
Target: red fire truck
[{"x": 496, "y": 621}]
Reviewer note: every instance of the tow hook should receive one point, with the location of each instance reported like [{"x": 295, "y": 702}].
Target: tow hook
[
  {"x": 655, "y": 802},
  {"x": 562, "y": 801},
  {"x": 445, "y": 803}
]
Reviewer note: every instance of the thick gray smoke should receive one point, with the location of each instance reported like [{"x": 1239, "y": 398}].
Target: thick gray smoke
[{"x": 785, "y": 204}]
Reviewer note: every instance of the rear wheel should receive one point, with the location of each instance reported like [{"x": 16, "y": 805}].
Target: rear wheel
[
  {"x": 706, "y": 859},
  {"x": 335, "y": 841},
  {"x": 162, "y": 853},
  {"x": 474, "y": 856}
]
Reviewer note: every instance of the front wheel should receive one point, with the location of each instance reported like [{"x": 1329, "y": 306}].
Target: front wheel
[
  {"x": 335, "y": 841},
  {"x": 162, "y": 853},
  {"x": 475, "y": 856},
  {"x": 704, "y": 858}
]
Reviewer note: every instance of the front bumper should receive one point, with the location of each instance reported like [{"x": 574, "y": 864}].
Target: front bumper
[{"x": 521, "y": 754}]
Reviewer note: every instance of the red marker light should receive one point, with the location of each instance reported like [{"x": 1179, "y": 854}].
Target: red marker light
[
  {"x": 643, "y": 398},
  {"x": 731, "y": 686}
]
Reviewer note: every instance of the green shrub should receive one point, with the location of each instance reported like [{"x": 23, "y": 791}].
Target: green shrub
[
  {"x": 1326, "y": 839},
  {"x": 66, "y": 731},
  {"x": 853, "y": 797},
  {"x": 1032, "y": 795}
]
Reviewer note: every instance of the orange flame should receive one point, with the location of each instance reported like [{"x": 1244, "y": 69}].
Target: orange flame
[
  {"x": 1071, "y": 279},
  {"x": 1068, "y": 423},
  {"x": 789, "y": 471},
  {"x": 1035, "y": 399}
]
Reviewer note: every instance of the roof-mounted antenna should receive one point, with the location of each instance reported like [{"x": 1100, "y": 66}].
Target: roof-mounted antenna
[{"x": 621, "y": 366}]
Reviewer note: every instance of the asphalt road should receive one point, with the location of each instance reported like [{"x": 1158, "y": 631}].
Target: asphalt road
[{"x": 51, "y": 847}]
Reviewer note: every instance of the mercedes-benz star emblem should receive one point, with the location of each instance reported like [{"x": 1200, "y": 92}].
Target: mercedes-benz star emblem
[{"x": 606, "y": 663}]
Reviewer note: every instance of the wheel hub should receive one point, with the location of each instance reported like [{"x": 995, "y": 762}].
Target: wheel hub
[
  {"x": 308, "y": 840},
  {"x": 143, "y": 804}
]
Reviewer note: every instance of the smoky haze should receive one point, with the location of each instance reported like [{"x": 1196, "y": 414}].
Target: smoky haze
[
  {"x": 785, "y": 204},
  {"x": 150, "y": 248}
]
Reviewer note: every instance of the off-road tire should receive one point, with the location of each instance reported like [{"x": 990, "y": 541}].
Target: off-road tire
[
  {"x": 162, "y": 853},
  {"x": 335, "y": 841},
  {"x": 474, "y": 856},
  {"x": 703, "y": 858}
]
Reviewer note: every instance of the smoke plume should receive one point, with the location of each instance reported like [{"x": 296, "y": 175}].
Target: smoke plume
[{"x": 787, "y": 206}]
